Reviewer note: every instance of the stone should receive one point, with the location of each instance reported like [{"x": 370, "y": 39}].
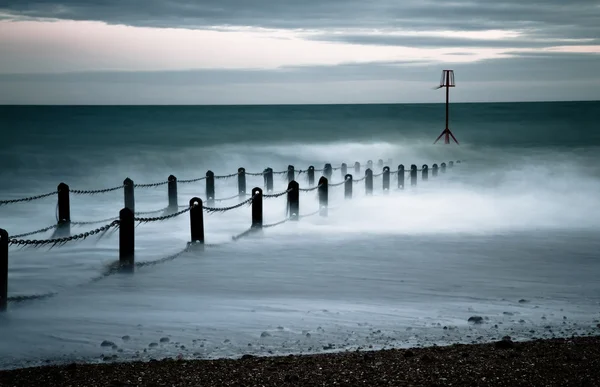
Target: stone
[
  {"x": 107, "y": 343},
  {"x": 475, "y": 319}
]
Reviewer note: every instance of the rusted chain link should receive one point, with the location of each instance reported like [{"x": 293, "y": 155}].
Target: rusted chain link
[
  {"x": 270, "y": 196},
  {"x": 95, "y": 221},
  {"x": 11, "y": 201},
  {"x": 95, "y": 191},
  {"x": 64, "y": 240},
  {"x": 161, "y": 218},
  {"x": 35, "y": 232},
  {"x": 223, "y": 209}
]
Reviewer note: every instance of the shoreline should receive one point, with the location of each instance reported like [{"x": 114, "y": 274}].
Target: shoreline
[{"x": 549, "y": 362}]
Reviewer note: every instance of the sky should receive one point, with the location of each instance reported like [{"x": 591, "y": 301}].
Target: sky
[{"x": 290, "y": 51}]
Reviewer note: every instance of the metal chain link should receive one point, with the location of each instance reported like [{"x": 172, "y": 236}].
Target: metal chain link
[
  {"x": 229, "y": 198},
  {"x": 160, "y": 218},
  {"x": 309, "y": 189},
  {"x": 94, "y": 221},
  {"x": 223, "y": 209},
  {"x": 227, "y": 176},
  {"x": 276, "y": 224},
  {"x": 35, "y": 232},
  {"x": 165, "y": 259},
  {"x": 192, "y": 180},
  {"x": 280, "y": 172},
  {"x": 151, "y": 184},
  {"x": 95, "y": 191},
  {"x": 338, "y": 184},
  {"x": 64, "y": 240},
  {"x": 359, "y": 180},
  {"x": 255, "y": 173},
  {"x": 310, "y": 214},
  {"x": 11, "y": 201},
  {"x": 152, "y": 212},
  {"x": 270, "y": 196},
  {"x": 17, "y": 299}
]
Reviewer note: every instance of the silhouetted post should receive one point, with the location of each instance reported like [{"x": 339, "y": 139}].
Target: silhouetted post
[
  {"x": 357, "y": 168},
  {"x": 3, "y": 270},
  {"x": 344, "y": 169},
  {"x": 323, "y": 193},
  {"x": 210, "y": 188},
  {"x": 434, "y": 170},
  {"x": 401, "y": 176},
  {"x": 128, "y": 190},
  {"x": 257, "y": 207},
  {"x": 380, "y": 164},
  {"x": 64, "y": 212},
  {"x": 369, "y": 181},
  {"x": 242, "y": 184},
  {"x": 443, "y": 167},
  {"x": 386, "y": 179},
  {"x": 268, "y": 174},
  {"x": 348, "y": 186},
  {"x": 370, "y": 164},
  {"x": 425, "y": 172},
  {"x": 327, "y": 171},
  {"x": 457, "y": 161},
  {"x": 172, "y": 194},
  {"x": 291, "y": 173},
  {"x": 450, "y": 164},
  {"x": 413, "y": 175},
  {"x": 197, "y": 220},
  {"x": 293, "y": 199},
  {"x": 311, "y": 176},
  {"x": 126, "y": 237}
]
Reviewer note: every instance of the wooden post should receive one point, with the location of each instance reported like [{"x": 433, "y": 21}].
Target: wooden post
[
  {"x": 450, "y": 164},
  {"x": 291, "y": 174},
  {"x": 323, "y": 195},
  {"x": 64, "y": 212},
  {"x": 357, "y": 168},
  {"x": 401, "y": 176},
  {"x": 126, "y": 237},
  {"x": 172, "y": 194},
  {"x": 242, "y": 184},
  {"x": 293, "y": 200},
  {"x": 434, "y": 170},
  {"x": 327, "y": 171},
  {"x": 380, "y": 164},
  {"x": 128, "y": 190},
  {"x": 210, "y": 188},
  {"x": 425, "y": 172},
  {"x": 370, "y": 164},
  {"x": 348, "y": 186},
  {"x": 311, "y": 176},
  {"x": 257, "y": 208},
  {"x": 344, "y": 169},
  {"x": 457, "y": 161},
  {"x": 268, "y": 174},
  {"x": 197, "y": 220},
  {"x": 3, "y": 270},
  {"x": 369, "y": 181},
  {"x": 443, "y": 167},
  {"x": 386, "y": 179},
  {"x": 413, "y": 175}
]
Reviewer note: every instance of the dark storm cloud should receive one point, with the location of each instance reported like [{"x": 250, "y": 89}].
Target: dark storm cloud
[{"x": 550, "y": 18}]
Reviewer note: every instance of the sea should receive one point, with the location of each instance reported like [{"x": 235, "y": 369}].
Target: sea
[{"x": 510, "y": 234}]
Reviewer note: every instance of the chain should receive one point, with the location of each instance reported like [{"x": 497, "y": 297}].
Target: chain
[
  {"x": 95, "y": 221},
  {"x": 270, "y": 196},
  {"x": 378, "y": 174},
  {"x": 227, "y": 176},
  {"x": 223, "y": 209},
  {"x": 280, "y": 172},
  {"x": 62, "y": 241},
  {"x": 255, "y": 173},
  {"x": 338, "y": 184},
  {"x": 276, "y": 224},
  {"x": 165, "y": 259},
  {"x": 17, "y": 299},
  {"x": 95, "y": 191},
  {"x": 3, "y": 202},
  {"x": 192, "y": 180},
  {"x": 229, "y": 198},
  {"x": 309, "y": 189},
  {"x": 310, "y": 214},
  {"x": 248, "y": 231},
  {"x": 35, "y": 232},
  {"x": 359, "y": 180},
  {"x": 160, "y": 218},
  {"x": 151, "y": 212},
  {"x": 151, "y": 184}
]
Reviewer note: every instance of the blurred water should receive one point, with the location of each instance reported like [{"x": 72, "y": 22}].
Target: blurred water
[{"x": 517, "y": 221}]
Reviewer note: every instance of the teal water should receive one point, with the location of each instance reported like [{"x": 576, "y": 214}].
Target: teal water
[{"x": 518, "y": 220}]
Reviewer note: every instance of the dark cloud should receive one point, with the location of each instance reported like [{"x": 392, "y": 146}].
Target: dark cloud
[{"x": 551, "y": 18}]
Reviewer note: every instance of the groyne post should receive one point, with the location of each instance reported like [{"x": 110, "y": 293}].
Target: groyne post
[
  {"x": 268, "y": 175},
  {"x": 370, "y": 164},
  {"x": 386, "y": 179},
  {"x": 293, "y": 200},
  {"x": 3, "y": 270},
  {"x": 327, "y": 172},
  {"x": 401, "y": 176},
  {"x": 380, "y": 164},
  {"x": 126, "y": 237},
  {"x": 172, "y": 194},
  {"x": 348, "y": 186},
  {"x": 443, "y": 167},
  {"x": 196, "y": 220},
  {"x": 434, "y": 170},
  {"x": 357, "y": 168},
  {"x": 344, "y": 169},
  {"x": 450, "y": 164},
  {"x": 323, "y": 195},
  {"x": 210, "y": 188},
  {"x": 368, "y": 181},
  {"x": 257, "y": 208},
  {"x": 242, "y": 184},
  {"x": 291, "y": 173},
  {"x": 128, "y": 192},
  {"x": 64, "y": 212},
  {"x": 413, "y": 175},
  {"x": 425, "y": 172},
  {"x": 311, "y": 176}
]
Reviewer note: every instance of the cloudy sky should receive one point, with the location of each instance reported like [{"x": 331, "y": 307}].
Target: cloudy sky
[{"x": 296, "y": 51}]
